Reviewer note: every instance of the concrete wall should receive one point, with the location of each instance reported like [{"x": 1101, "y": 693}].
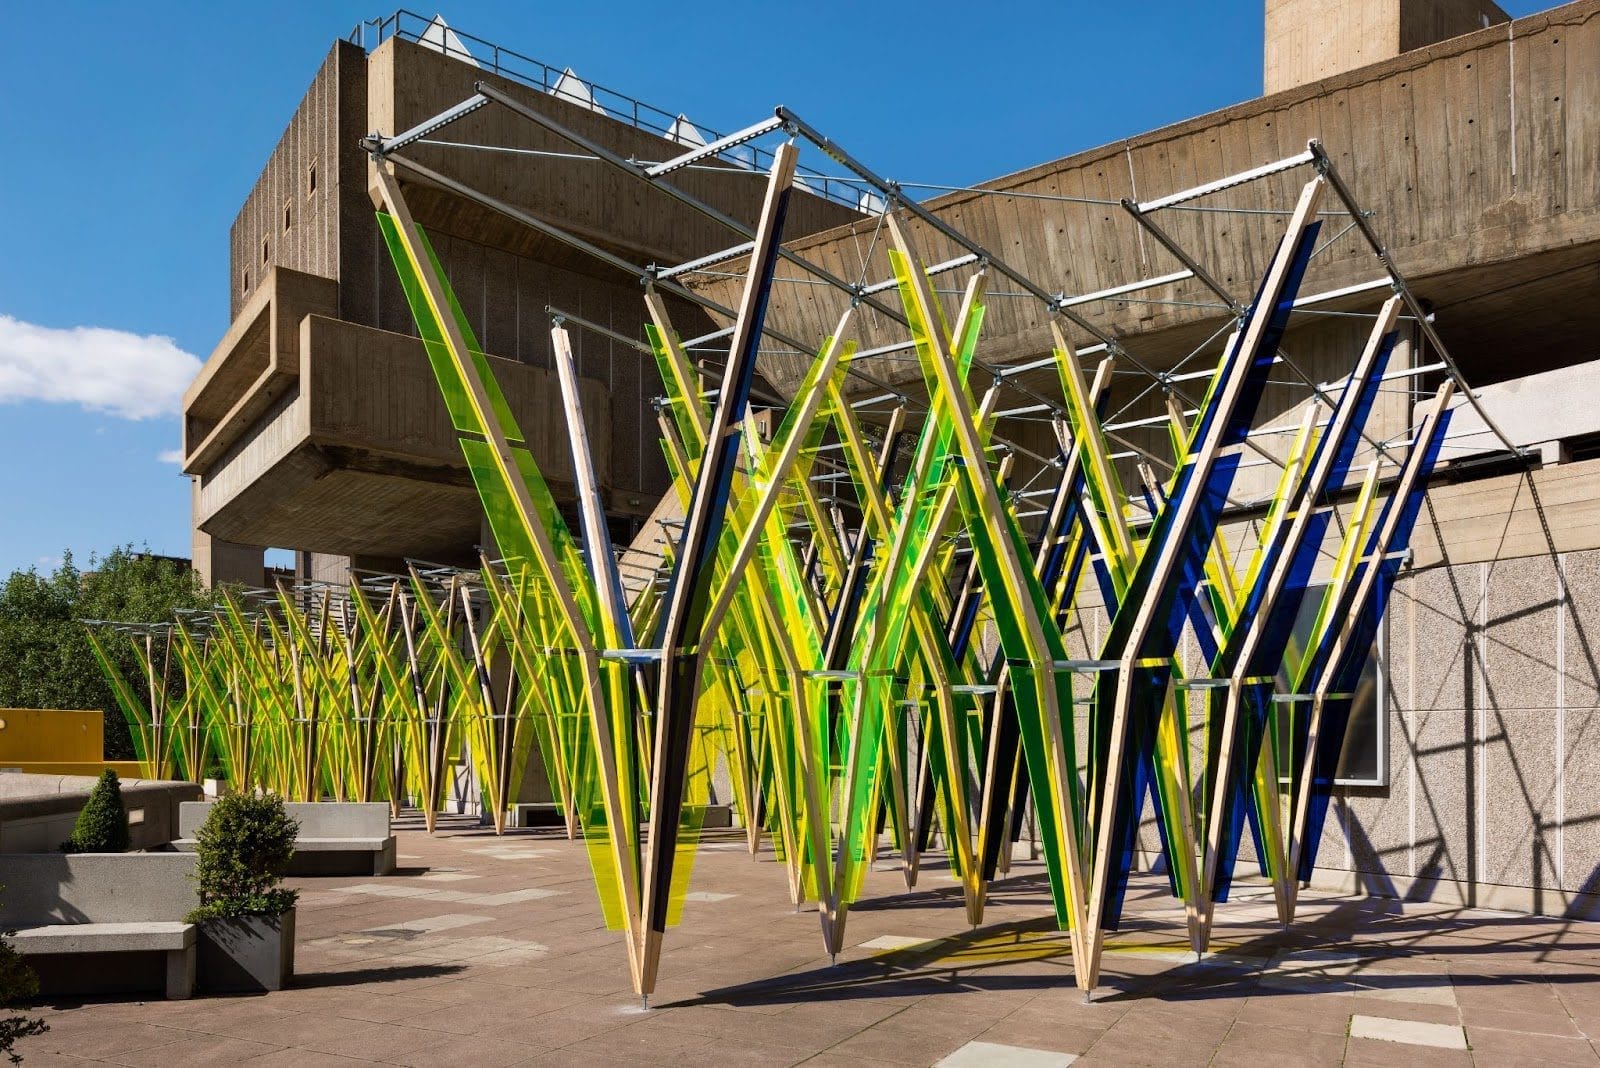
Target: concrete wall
[
  {"x": 1494, "y": 741},
  {"x": 359, "y": 457},
  {"x": 37, "y": 812},
  {"x": 505, "y": 277},
  {"x": 284, "y": 221},
  {"x": 1425, "y": 22},
  {"x": 1478, "y": 157},
  {"x": 266, "y": 475},
  {"x": 98, "y": 888},
  {"x": 505, "y": 297}
]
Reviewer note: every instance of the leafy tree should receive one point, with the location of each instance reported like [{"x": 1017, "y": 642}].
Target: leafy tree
[
  {"x": 102, "y": 826},
  {"x": 243, "y": 849},
  {"x": 45, "y": 661}
]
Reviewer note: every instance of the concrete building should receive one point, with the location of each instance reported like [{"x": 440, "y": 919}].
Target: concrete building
[
  {"x": 1473, "y": 139},
  {"x": 316, "y": 423}
]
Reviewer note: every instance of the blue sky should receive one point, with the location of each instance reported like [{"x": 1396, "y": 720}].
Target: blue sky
[{"x": 128, "y": 142}]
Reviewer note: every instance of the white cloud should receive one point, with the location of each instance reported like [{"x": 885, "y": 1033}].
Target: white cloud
[
  {"x": 127, "y": 375},
  {"x": 170, "y": 456}
]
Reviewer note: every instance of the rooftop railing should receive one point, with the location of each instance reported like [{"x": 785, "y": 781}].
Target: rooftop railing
[{"x": 562, "y": 82}]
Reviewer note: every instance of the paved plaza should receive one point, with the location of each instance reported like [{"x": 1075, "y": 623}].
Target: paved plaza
[{"x": 492, "y": 951}]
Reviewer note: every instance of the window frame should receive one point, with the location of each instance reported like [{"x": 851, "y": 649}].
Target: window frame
[
  {"x": 1380, "y": 657},
  {"x": 1380, "y": 699}
]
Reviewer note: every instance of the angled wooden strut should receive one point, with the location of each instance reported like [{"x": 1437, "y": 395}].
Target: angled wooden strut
[
  {"x": 1255, "y": 648},
  {"x": 1038, "y": 645},
  {"x": 368, "y": 657},
  {"x": 897, "y": 608},
  {"x": 1004, "y": 780},
  {"x": 786, "y": 620},
  {"x": 759, "y": 528},
  {"x": 689, "y": 598},
  {"x": 1141, "y": 637},
  {"x": 615, "y": 625},
  {"x": 620, "y": 817},
  {"x": 1349, "y": 626}
]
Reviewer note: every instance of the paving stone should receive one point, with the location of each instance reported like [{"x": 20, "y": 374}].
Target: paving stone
[
  {"x": 447, "y": 876},
  {"x": 447, "y": 922},
  {"x": 496, "y": 971},
  {"x": 895, "y": 942},
  {"x": 1410, "y": 1032},
  {"x": 1532, "y": 1023},
  {"x": 1490, "y": 1045},
  {"x": 1376, "y": 1053},
  {"x": 995, "y": 1055},
  {"x": 1251, "y": 1045}
]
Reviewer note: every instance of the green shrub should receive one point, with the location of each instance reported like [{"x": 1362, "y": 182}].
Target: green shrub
[
  {"x": 17, "y": 984},
  {"x": 102, "y": 826},
  {"x": 244, "y": 847}
]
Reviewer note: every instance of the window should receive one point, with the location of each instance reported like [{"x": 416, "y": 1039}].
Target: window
[
  {"x": 244, "y": 281},
  {"x": 288, "y": 215},
  {"x": 266, "y": 249},
  {"x": 1364, "y": 760},
  {"x": 311, "y": 179}
]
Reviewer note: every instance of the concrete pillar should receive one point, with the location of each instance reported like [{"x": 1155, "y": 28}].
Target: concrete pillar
[
  {"x": 217, "y": 561},
  {"x": 1308, "y": 40}
]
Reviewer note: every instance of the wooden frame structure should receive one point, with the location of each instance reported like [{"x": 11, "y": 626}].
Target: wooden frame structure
[{"x": 888, "y": 658}]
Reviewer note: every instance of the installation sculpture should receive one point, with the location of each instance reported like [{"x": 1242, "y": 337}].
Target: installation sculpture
[{"x": 894, "y": 674}]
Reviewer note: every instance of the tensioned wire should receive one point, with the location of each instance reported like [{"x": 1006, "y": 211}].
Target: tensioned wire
[{"x": 1159, "y": 379}]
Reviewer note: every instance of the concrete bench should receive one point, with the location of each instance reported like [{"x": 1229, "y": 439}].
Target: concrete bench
[
  {"x": 336, "y": 837},
  {"x": 68, "y": 910}
]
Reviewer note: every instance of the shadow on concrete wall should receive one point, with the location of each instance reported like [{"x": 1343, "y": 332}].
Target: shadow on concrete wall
[{"x": 1508, "y": 790}]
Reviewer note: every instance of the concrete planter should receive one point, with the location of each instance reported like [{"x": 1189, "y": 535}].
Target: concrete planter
[{"x": 246, "y": 954}]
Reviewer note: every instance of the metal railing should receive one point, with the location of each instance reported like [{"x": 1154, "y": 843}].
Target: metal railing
[{"x": 561, "y": 82}]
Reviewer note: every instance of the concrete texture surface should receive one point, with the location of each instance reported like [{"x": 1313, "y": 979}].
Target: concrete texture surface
[
  {"x": 1493, "y": 742},
  {"x": 45, "y": 888},
  {"x": 486, "y": 951},
  {"x": 103, "y": 922},
  {"x": 325, "y": 819},
  {"x": 37, "y": 812},
  {"x": 151, "y": 936},
  {"x": 352, "y": 836}
]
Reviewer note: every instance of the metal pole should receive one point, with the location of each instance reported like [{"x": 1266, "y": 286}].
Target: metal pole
[
  {"x": 1056, "y": 303},
  {"x": 572, "y": 241},
  {"x": 1328, "y": 170}
]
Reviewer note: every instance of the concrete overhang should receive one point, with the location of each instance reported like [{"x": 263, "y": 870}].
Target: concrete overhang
[
  {"x": 254, "y": 365},
  {"x": 357, "y": 456}
]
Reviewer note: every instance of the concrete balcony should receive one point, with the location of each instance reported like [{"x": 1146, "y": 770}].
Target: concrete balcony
[{"x": 307, "y": 431}]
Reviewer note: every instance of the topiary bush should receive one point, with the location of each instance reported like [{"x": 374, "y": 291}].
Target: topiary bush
[
  {"x": 243, "y": 848},
  {"x": 102, "y": 826}
]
